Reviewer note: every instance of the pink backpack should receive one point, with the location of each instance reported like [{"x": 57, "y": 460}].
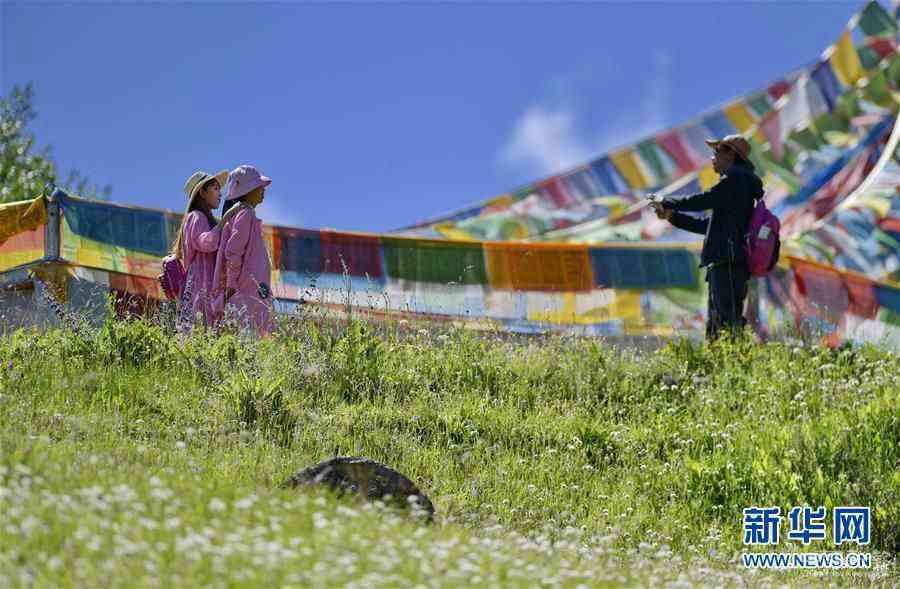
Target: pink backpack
[
  {"x": 763, "y": 241},
  {"x": 172, "y": 278}
]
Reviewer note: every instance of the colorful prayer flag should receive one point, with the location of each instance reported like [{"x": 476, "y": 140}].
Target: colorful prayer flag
[
  {"x": 627, "y": 164},
  {"x": 877, "y": 90},
  {"x": 558, "y": 193},
  {"x": 868, "y": 57},
  {"x": 760, "y": 103},
  {"x": 804, "y": 103},
  {"x": 779, "y": 89},
  {"x": 19, "y": 217},
  {"x": 845, "y": 61},
  {"x": 352, "y": 254},
  {"x": 608, "y": 177},
  {"x": 771, "y": 128},
  {"x": 827, "y": 82},
  {"x": 875, "y": 20},
  {"x": 707, "y": 176},
  {"x": 582, "y": 184},
  {"x": 719, "y": 125},
  {"x": 543, "y": 267},
  {"x": 620, "y": 267},
  {"x": 657, "y": 160},
  {"x": 432, "y": 260},
  {"x": 740, "y": 116},
  {"x": 680, "y": 151},
  {"x": 696, "y": 136}
]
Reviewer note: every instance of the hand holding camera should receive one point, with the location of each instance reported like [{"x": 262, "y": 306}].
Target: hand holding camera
[{"x": 657, "y": 205}]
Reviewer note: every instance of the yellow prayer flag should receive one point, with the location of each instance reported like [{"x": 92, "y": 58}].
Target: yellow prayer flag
[
  {"x": 845, "y": 61},
  {"x": 22, "y": 216},
  {"x": 707, "y": 177},
  {"x": 739, "y": 116},
  {"x": 556, "y": 308},
  {"x": 450, "y": 231},
  {"x": 627, "y": 306},
  {"x": 503, "y": 199},
  {"x": 597, "y": 306},
  {"x": 538, "y": 266},
  {"x": 500, "y": 203},
  {"x": 627, "y": 164}
]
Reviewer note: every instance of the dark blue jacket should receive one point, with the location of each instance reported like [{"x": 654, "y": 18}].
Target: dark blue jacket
[{"x": 731, "y": 201}]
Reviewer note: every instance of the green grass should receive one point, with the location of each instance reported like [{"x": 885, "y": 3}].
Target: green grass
[{"x": 131, "y": 457}]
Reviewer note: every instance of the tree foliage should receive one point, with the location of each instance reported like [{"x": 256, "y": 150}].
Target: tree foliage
[{"x": 27, "y": 170}]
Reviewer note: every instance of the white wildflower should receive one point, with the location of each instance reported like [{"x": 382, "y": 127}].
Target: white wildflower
[{"x": 216, "y": 505}]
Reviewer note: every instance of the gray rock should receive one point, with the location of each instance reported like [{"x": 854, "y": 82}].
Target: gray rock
[{"x": 372, "y": 480}]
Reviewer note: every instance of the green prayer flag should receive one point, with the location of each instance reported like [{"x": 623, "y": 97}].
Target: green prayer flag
[
  {"x": 868, "y": 57},
  {"x": 649, "y": 154},
  {"x": 432, "y": 261},
  {"x": 824, "y": 124},
  {"x": 786, "y": 176},
  {"x": 876, "y": 90},
  {"x": 759, "y": 103},
  {"x": 756, "y": 150},
  {"x": 893, "y": 71},
  {"x": 847, "y": 106},
  {"x": 875, "y": 20},
  {"x": 806, "y": 137},
  {"x": 888, "y": 316}
]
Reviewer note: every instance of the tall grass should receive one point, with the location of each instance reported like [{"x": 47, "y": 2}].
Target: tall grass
[{"x": 131, "y": 452}]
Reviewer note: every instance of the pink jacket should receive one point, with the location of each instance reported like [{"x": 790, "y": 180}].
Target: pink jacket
[
  {"x": 198, "y": 254},
  {"x": 243, "y": 263}
]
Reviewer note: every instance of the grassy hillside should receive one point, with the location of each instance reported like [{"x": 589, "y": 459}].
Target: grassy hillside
[{"x": 134, "y": 458}]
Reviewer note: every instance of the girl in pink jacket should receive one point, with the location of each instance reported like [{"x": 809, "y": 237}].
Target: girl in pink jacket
[
  {"x": 242, "y": 275},
  {"x": 197, "y": 242}
]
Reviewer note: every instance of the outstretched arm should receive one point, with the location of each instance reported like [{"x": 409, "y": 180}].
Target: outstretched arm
[
  {"x": 713, "y": 198},
  {"x": 689, "y": 223}
]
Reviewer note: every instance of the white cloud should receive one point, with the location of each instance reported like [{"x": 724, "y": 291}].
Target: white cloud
[
  {"x": 547, "y": 140},
  {"x": 276, "y": 210}
]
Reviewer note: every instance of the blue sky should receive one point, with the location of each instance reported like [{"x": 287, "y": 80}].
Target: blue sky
[{"x": 371, "y": 116}]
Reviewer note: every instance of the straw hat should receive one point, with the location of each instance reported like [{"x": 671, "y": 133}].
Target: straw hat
[
  {"x": 198, "y": 179},
  {"x": 737, "y": 143}
]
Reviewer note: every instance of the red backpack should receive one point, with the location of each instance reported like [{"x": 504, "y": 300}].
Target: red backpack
[
  {"x": 762, "y": 243},
  {"x": 172, "y": 278}
]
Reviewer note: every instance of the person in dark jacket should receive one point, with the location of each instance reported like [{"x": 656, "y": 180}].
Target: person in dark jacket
[{"x": 731, "y": 202}]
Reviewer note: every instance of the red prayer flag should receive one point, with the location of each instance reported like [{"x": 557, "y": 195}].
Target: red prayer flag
[
  {"x": 823, "y": 288},
  {"x": 559, "y": 193},
  {"x": 357, "y": 255},
  {"x": 883, "y": 46},
  {"x": 682, "y": 154},
  {"x": 779, "y": 89},
  {"x": 862, "y": 297}
]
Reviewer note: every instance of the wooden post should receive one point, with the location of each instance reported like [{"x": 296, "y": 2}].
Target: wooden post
[{"x": 52, "y": 228}]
